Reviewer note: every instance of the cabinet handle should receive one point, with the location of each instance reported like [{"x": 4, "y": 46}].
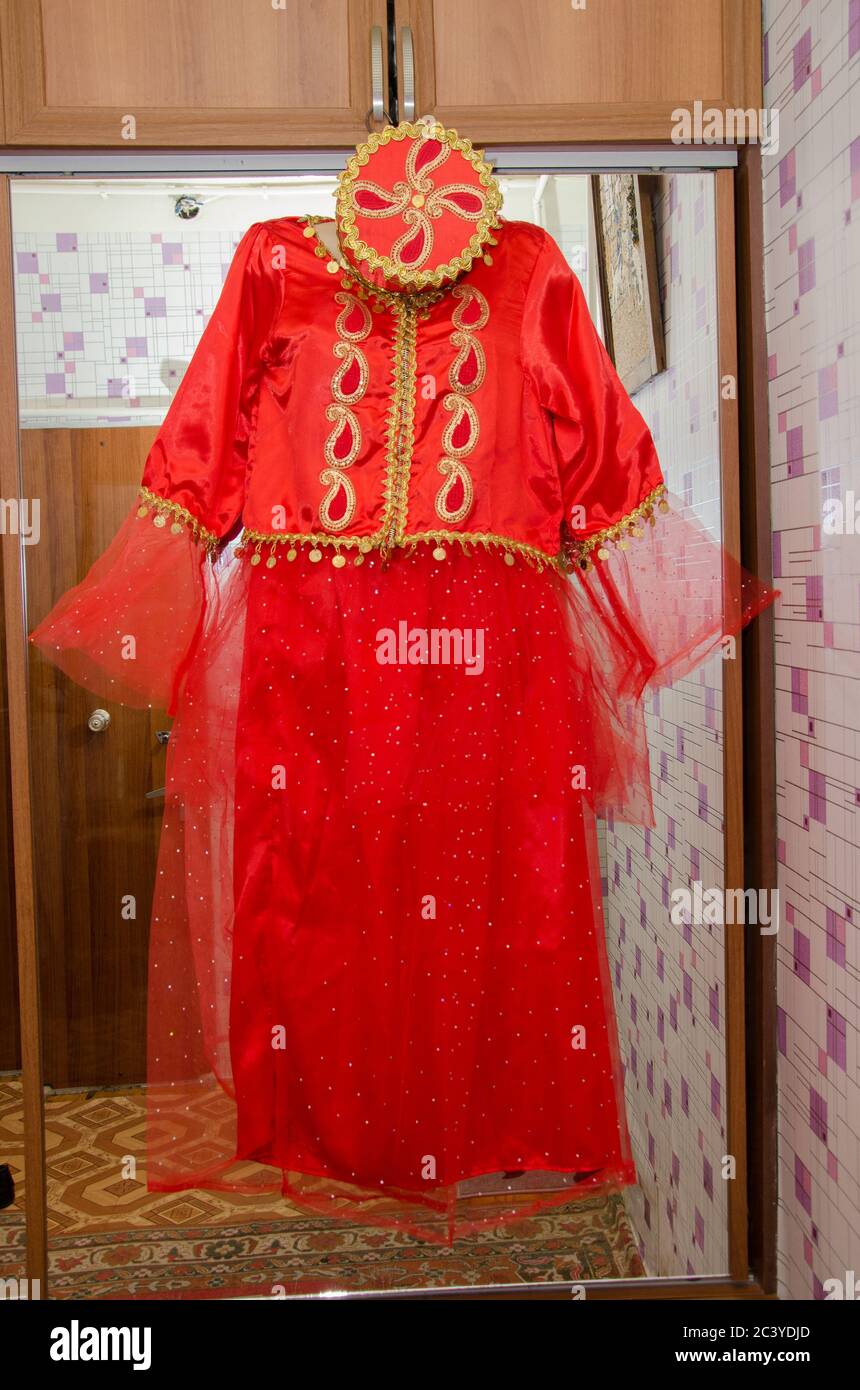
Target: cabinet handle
[
  {"x": 98, "y": 721},
  {"x": 377, "y": 112},
  {"x": 408, "y": 50}
]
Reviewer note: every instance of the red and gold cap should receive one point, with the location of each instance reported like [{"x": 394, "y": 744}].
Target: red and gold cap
[{"x": 416, "y": 205}]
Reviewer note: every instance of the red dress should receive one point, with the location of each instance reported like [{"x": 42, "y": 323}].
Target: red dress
[{"x": 377, "y": 961}]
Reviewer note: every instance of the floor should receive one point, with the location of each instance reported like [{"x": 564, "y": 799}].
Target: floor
[{"x": 110, "y": 1238}]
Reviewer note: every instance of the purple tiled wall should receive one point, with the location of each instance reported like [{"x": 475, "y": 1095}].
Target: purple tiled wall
[{"x": 812, "y": 233}]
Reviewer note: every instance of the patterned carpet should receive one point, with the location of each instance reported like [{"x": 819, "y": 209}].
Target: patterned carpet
[{"x": 112, "y": 1239}]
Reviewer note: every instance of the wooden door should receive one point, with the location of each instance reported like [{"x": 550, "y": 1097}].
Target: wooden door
[
  {"x": 503, "y": 70},
  {"x": 95, "y": 831},
  {"x": 188, "y": 72}
]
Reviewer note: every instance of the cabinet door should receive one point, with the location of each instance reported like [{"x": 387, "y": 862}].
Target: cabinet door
[
  {"x": 502, "y": 70},
  {"x": 188, "y": 72}
]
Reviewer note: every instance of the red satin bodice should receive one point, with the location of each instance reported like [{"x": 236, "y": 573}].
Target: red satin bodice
[{"x": 334, "y": 420}]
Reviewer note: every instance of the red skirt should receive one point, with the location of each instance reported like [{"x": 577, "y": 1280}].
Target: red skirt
[{"x": 378, "y": 965}]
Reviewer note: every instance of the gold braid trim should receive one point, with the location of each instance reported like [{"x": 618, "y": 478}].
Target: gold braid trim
[
  {"x": 400, "y": 429},
  {"x": 255, "y": 542},
  {"x": 578, "y": 554},
  {"x": 182, "y": 520},
  {"x": 467, "y": 540},
  {"x": 574, "y": 554}
]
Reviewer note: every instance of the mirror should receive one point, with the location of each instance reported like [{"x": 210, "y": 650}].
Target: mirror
[{"x": 114, "y": 280}]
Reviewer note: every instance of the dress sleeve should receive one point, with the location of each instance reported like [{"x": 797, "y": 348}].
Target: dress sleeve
[
  {"x": 126, "y": 631},
  {"x": 660, "y": 590}
]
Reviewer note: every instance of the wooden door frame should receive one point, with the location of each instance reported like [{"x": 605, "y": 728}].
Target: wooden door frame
[
  {"x": 14, "y": 603},
  {"x": 749, "y": 798},
  {"x": 759, "y": 710}
]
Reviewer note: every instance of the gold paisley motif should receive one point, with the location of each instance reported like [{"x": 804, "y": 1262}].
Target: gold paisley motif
[
  {"x": 461, "y": 407},
  {"x": 344, "y": 441},
  {"x": 443, "y": 201},
  {"x": 469, "y": 316},
  {"x": 418, "y": 176},
  {"x": 455, "y": 473},
  {"x": 418, "y": 224},
  {"x": 468, "y": 295},
  {"x": 469, "y": 346},
  {"x": 344, "y": 422},
  {"x": 353, "y": 359},
  {"x": 336, "y": 482},
  {"x": 352, "y": 305},
  {"x": 394, "y": 201}
]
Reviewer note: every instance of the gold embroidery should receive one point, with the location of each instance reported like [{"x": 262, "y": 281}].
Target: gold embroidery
[
  {"x": 420, "y": 178},
  {"x": 390, "y": 267},
  {"x": 442, "y": 202},
  {"x": 344, "y": 441},
  {"x": 401, "y": 421},
  {"x": 461, "y": 434},
  {"x": 400, "y": 428},
  {"x": 469, "y": 316},
  {"x": 352, "y": 306},
  {"x": 469, "y": 297},
  {"x": 338, "y": 483},
  {"x": 183, "y": 520},
  {"x": 354, "y": 362},
  {"x": 469, "y": 347},
  {"x": 419, "y": 203},
  {"x": 394, "y": 201},
  {"x": 460, "y": 406},
  {"x": 345, "y": 425},
  {"x": 455, "y": 473},
  {"x": 578, "y": 554}
]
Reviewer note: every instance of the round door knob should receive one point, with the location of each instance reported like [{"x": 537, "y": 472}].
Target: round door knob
[{"x": 98, "y": 721}]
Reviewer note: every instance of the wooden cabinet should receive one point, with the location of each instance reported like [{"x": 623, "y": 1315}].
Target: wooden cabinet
[
  {"x": 508, "y": 71},
  {"x": 188, "y": 72},
  {"x": 277, "y": 73}
]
